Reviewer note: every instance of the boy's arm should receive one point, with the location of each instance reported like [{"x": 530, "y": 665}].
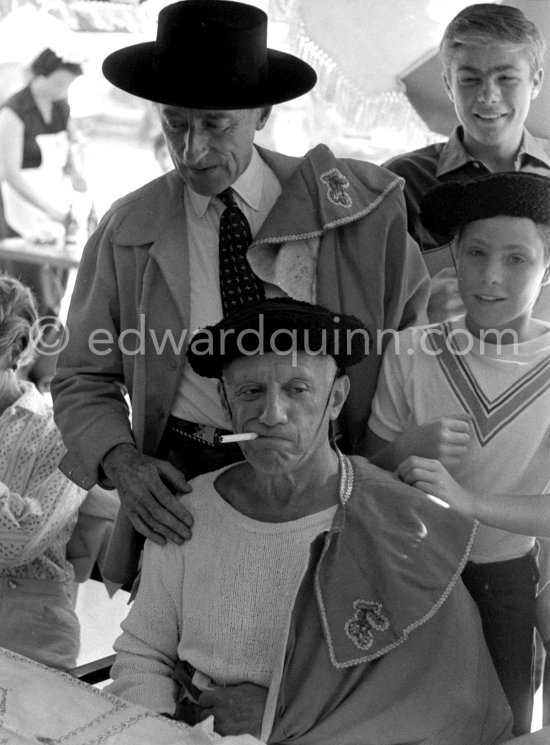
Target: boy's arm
[
  {"x": 527, "y": 514},
  {"x": 445, "y": 439},
  {"x": 390, "y": 437}
]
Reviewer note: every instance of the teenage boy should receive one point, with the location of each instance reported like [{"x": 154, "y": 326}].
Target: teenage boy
[
  {"x": 492, "y": 58},
  {"x": 474, "y": 393}
]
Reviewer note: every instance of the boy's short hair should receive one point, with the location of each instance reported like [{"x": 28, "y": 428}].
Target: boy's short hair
[{"x": 489, "y": 23}]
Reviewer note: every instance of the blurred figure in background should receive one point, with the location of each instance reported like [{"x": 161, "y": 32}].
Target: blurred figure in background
[
  {"x": 38, "y": 504},
  {"x": 40, "y": 167}
]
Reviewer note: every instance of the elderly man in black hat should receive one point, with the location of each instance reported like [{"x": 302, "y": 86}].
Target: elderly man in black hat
[
  {"x": 319, "y": 600},
  {"x": 232, "y": 224}
]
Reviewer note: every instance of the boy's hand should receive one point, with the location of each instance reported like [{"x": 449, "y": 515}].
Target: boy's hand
[
  {"x": 433, "y": 478},
  {"x": 445, "y": 439}
]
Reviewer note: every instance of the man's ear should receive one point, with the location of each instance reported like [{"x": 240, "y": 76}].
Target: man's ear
[
  {"x": 265, "y": 113},
  {"x": 223, "y": 400},
  {"x": 340, "y": 390}
]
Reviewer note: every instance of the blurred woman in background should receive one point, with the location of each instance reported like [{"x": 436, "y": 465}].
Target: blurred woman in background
[{"x": 40, "y": 167}]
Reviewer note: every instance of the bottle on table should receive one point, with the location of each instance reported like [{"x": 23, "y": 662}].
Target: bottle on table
[
  {"x": 92, "y": 221},
  {"x": 71, "y": 230}
]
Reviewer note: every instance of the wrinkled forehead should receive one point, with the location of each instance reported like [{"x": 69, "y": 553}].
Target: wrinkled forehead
[{"x": 168, "y": 111}]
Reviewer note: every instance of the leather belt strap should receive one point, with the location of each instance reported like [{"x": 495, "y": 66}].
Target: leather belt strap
[{"x": 205, "y": 434}]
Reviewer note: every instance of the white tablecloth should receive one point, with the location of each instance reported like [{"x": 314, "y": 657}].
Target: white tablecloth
[{"x": 41, "y": 706}]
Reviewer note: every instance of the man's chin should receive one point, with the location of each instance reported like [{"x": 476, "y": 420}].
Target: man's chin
[
  {"x": 208, "y": 182},
  {"x": 268, "y": 461}
]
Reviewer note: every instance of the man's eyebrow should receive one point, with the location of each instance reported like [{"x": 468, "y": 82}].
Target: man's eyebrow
[{"x": 217, "y": 116}]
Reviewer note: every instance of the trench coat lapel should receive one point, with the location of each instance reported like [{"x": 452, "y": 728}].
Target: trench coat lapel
[
  {"x": 170, "y": 252},
  {"x": 165, "y": 306}
]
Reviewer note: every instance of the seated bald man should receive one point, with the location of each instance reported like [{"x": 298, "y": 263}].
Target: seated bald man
[{"x": 319, "y": 600}]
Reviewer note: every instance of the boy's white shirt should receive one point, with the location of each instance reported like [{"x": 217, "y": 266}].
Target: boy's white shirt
[{"x": 510, "y": 447}]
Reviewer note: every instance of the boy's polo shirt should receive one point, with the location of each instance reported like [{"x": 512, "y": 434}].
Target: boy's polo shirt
[{"x": 440, "y": 162}]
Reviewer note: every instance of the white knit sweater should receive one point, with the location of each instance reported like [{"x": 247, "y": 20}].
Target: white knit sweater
[{"x": 220, "y": 601}]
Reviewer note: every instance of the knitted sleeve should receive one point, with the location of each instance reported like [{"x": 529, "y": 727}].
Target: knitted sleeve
[{"x": 147, "y": 648}]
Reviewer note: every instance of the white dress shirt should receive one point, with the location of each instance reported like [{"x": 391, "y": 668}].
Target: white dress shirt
[{"x": 256, "y": 191}]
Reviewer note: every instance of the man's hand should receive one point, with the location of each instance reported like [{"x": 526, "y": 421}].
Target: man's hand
[
  {"x": 445, "y": 301},
  {"x": 148, "y": 489},
  {"x": 237, "y": 710},
  {"x": 445, "y": 439},
  {"x": 433, "y": 478}
]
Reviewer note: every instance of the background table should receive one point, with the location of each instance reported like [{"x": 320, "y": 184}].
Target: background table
[{"x": 53, "y": 254}]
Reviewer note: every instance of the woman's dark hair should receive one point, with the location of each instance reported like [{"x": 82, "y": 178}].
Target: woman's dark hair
[{"x": 48, "y": 62}]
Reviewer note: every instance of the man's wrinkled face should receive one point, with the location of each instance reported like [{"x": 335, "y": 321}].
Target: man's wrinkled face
[
  {"x": 287, "y": 403},
  {"x": 211, "y": 149}
]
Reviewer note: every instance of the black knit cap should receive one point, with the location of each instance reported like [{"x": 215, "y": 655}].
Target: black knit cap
[
  {"x": 448, "y": 207},
  {"x": 282, "y": 326}
]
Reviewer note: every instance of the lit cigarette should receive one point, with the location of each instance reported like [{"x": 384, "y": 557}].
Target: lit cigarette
[
  {"x": 438, "y": 501},
  {"x": 238, "y": 438}
]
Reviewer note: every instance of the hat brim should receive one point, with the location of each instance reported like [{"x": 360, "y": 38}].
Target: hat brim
[
  {"x": 282, "y": 326},
  {"x": 134, "y": 69}
]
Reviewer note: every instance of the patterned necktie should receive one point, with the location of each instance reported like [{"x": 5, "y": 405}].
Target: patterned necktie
[{"x": 238, "y": 283}]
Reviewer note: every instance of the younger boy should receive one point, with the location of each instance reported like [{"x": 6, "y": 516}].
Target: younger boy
[{"x": 474, "y": 393}]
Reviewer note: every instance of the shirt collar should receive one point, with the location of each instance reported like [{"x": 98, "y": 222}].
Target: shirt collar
[
  {"x": 532, "y": 148},
  {"x": 248, "y": 187},
  {"x": 454, "y": 155}
]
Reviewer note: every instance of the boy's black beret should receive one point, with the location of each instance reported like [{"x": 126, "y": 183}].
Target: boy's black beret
[{"x": 449, "y": 206}]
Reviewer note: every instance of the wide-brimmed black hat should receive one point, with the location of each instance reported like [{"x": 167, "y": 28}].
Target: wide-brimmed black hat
[
  {"x": 281, "y": 326},
  {"x": 210, "y": 54},
  {"x": 448, "y": 207}
]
